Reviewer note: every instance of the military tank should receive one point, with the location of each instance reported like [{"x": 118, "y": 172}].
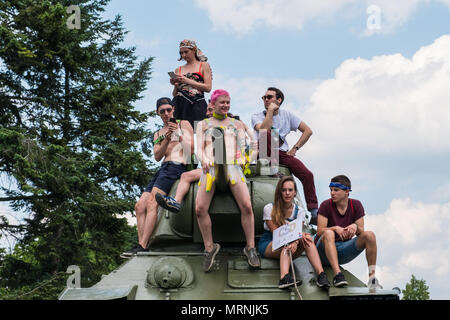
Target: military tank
[{"x": 172, "y": 268}]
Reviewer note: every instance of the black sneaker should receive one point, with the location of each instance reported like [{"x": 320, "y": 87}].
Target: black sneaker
[
  {"x": 133, "y": 251},
  {"x": 339, "y": 280},
  {"x": 168, "y": 203},
  {"x": 287, "y": 281},
  {"x": 322, "y": 280}
]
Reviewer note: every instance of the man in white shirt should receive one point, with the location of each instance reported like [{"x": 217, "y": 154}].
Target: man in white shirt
[{"x": 275, "y": 123}]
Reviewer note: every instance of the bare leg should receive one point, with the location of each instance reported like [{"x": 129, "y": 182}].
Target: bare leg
[
  {"x": 202, "y": 202},
  {"x": 185, "y": 182},
  {"x": 368, "y": 241},
  {"x": 150, "y": 217},
  {"x": 140, "y": 209},
  {"x": 330, "y": 250},
  {"x": 313, "y": 255},
  {"x": 242, "y": 197},
  {"x": 278, "y": 254}
]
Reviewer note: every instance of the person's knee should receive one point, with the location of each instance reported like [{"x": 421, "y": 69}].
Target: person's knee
[
  {"x": 140, "y": 206},
  {"x": 186, "y": 176},
  {"x": 369, "y": 237},
  {"x": 328, "y": 235},
  {"x": 200, "y": 210},
  {"x": 247, "y": 208}
]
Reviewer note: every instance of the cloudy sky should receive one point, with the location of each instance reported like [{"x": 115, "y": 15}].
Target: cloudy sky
[{"x": 371, "y": 78}]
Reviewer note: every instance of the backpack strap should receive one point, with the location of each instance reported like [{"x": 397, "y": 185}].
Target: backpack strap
[{"x": 295, "y": 211}]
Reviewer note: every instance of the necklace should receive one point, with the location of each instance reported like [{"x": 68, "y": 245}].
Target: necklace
[{"x": 219, "y": 116}]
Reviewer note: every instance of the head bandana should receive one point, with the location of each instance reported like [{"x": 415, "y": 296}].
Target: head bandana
[
  {"x": 192, "y": 45},
  {"x": 339, "y": 185}
]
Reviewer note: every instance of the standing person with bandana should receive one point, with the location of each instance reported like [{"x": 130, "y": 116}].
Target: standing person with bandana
[
  {"x": 191, "y": 82},
  {"x": 340, "y": 232}
]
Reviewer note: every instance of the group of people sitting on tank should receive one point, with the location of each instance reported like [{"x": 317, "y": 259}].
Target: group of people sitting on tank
[{"x": 340, "y": 237}]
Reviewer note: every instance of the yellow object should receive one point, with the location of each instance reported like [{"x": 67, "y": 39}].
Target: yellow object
[{"x": 209, "y": 181}]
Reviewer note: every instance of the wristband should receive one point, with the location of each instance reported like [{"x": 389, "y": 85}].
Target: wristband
[{"x": 160, "y": 139}]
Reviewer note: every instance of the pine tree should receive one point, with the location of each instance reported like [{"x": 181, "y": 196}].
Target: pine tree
[
  {"x": 70, "y": 136},
  {"x": 416, "y": 290}
]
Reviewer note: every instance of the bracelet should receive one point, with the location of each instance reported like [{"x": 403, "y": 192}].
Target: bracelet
[{"x": 160, "y": 139}]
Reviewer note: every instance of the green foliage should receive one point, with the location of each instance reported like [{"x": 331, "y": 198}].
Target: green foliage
[
  {"x": 70, "y": 138},
  {"x": 416, "y": 290}
]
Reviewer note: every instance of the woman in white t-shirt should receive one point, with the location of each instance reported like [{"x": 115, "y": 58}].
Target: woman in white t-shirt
[{"x": 283, "y": 210}]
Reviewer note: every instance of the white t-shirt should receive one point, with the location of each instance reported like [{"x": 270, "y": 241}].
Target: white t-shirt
[
  {"x": 285, "y": 122},
  {"x": 267, "y": 213}
]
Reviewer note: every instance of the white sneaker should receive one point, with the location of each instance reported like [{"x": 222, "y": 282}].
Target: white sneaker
[{"x": 374, "y": 283}]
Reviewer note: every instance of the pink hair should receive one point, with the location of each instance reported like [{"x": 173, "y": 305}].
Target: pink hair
[{"x": 218, "y": 93}]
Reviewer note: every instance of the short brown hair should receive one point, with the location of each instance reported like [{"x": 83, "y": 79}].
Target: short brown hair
[{"x": 342, "y": 180}]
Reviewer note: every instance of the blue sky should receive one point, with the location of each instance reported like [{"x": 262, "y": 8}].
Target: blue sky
[{"x": 376, "y": 100}]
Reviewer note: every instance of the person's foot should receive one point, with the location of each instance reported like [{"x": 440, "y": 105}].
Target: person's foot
[
  {"x": 277, "y": 175},
  {"x": 208, "y": 261},
  {"x": 313, "y": 219},
  {"x": 374, "y": 283},
  {"x": 339, "y": 280},
  {"x": 322, "y": 280},
  {"x": 133, "y": 251},
  {"x": 252, "y": 257},
  {"x": 168, "y": 203},
  {"x": 287, "y": 281}
]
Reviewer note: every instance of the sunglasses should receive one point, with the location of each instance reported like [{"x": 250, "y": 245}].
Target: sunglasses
[
  {"x": 268, "y": 97},
  {"x": 168, "y": 110}
]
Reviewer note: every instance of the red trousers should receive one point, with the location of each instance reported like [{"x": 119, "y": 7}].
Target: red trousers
[{"x": 299, "y": 170}]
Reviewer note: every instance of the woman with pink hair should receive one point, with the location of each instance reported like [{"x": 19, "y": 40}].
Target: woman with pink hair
[
  {"x": 191, "y": 82},
  {"x": 233, "y": 136}
]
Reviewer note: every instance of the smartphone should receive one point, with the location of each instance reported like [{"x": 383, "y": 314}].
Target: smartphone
[
  {"x": 172, "y": 74},
  {"x": 173, "y": 120}
]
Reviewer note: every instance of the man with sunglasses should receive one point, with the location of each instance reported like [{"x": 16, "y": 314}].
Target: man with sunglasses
[
  {"x": 275, "y": 124},
  {"x": 175, "y": 143}
]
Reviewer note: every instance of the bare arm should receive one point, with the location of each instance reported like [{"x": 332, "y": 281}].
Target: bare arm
[
  {"x": 322, "y": 223},
  {"x": 267, "y": 123},
  {"x": 306, "y": 134},
  {"x": 272, "y": 226},
  {"x": 175, "y": 84},
  {"x": 161, "y": 147},
  {"x": 201, "y": 145},
  {"x": 187, "y": 137},
  {"x": 207, "y": 78}
]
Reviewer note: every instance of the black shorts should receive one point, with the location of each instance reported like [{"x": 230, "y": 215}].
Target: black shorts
[{"x": 166, "y": 176}]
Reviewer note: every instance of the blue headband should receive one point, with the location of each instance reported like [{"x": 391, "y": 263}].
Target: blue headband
[{"x": 339, "y": 185}]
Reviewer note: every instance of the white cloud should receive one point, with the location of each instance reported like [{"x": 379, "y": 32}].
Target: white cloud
[
  {"x": 389, "y": 104},
  {"x": 412, "y": 238},
  {"x": 242, "y": 16}
]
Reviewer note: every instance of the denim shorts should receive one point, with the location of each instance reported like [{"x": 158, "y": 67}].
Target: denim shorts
[
  {"x": 264, "y": 241},
  {"x": 346, "y": 250},
  {"x": 166, "y": 176}
]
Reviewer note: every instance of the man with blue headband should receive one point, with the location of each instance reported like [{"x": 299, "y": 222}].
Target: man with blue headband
[{"x": 340, "y": 232}]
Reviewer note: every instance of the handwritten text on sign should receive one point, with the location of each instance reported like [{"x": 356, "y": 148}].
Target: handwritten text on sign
[{"x": 287, "y": 233}]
